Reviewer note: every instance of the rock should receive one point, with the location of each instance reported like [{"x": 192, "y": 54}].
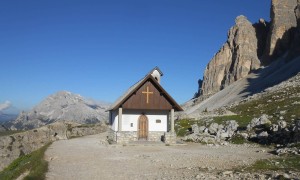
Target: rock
[
  {"x": 263, "y": 135},
  {"x": 224, "y": 135},
  {"x": 235, "y": 60},
  {"x": 282, "y": 124},
  {"x": 258, "y": 121},
  {"x": 227, "y": 173},
  {"x": 205, "y": 131},
  {"x": 202, "y": 129},
  {"x": 264, "y": 119},
  {"x": 244, "y": 135},
  {"x": 274, "y": 127},
  {"x": 282, "y": 112},
  {"x": 195, "y": 129},
  {"x": 296, "y": 127},
  {"x": 200, "y": 138},
  {"x": 286, "y": 176},
  {"x": 213, "y": 128},
  {"x": 198, "y": 176},
  {"x": 283, "y": 19},
  {"x": 231, "y": 127}
]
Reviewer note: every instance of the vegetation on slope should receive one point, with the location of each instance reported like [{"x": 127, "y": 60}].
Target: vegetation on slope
[
  {"x": 284, "y": 163},
  {"x": 284, "y": 103},
  {"x": 33, "y": 162}
]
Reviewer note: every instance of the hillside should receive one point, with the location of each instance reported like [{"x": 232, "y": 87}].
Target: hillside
[{"x": 62, "y": 106}]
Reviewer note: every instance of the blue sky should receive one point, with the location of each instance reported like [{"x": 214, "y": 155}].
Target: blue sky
[{"x": 100, "y": 48}]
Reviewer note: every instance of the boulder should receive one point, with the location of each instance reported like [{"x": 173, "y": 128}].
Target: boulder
[
  {"x": 282, "y": 125},
  {"x": 213, "y": 128},
  {"x": 202, "y": 129},
  {"x": 258, "y": 122},
  {"x": 274, "y": 128},
  {"x": 195, "y": 129},
  {"x": 231, "y": 127},
  {"x": 263, "y": 135}
]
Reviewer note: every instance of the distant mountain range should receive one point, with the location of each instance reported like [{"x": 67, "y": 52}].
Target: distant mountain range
[{"x": 61, "y": 106}]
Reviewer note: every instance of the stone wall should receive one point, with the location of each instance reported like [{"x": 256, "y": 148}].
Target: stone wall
[
  {"x": 126, "y": 136},
  {"x": 156, "y": 136}
]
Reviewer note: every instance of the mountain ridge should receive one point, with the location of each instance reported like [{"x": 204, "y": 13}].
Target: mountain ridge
[{"x": 61, "y": 106}]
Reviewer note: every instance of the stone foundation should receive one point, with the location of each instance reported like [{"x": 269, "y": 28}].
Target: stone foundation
[
  {"x": 170, "y": 138},
  {"x": 125, "y": 137}
]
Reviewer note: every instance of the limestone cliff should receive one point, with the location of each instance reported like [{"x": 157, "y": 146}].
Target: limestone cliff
[
  {"x": 251, "y": 45},
  {"x": 235, "y": 60}
]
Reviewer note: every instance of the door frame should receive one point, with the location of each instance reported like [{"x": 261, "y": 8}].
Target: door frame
[{"x": 147, "y": 127}]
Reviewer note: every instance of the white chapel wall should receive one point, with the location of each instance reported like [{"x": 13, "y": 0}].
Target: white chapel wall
[
  {"x": 132, "y": 116},
  {"x": 157, "y": 120}
]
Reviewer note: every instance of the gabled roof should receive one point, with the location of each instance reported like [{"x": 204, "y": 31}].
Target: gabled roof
[{"x": 121, "y": 100}]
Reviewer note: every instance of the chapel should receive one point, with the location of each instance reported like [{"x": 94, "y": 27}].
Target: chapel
[{"x": 144, "y": 113}]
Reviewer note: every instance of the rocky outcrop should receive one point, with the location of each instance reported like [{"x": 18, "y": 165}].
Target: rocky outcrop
[
  {"x": 282, "y": 29},
  {"x": 16, "y": 145},
  {"x": 236, "y": 59},
  {"x": 62, "y": 106},
  {"x": 214, "y": 133}
]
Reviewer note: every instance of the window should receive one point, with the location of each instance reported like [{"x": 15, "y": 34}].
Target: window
[
  {"x": 131, "y": 124},
  {"x": 158, "y": 121}
]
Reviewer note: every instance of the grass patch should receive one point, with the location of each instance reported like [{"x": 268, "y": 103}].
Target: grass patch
[
  {"x": 183, "y": 126},
  {"x": 272, "y": 104},
  {"x": 284, "y": 163},
  {"x": 33, "y": 162},
  {"x": 243, "y": 121},
  {"x": 238, "y": 139},
  {"x": 7, "y": 133}
]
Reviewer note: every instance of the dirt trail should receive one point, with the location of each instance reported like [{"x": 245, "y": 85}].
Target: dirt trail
[{"x": 88, "y": 158}]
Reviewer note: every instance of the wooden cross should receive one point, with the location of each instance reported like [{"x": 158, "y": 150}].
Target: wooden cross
[{"x": 147, "y": 93}]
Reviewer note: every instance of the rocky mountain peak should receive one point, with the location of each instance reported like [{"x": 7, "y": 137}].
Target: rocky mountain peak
[
  {"x": 62, "y": 106},
  {"x": 241, "y": 20},
  {"x": 235, "y": 60}
]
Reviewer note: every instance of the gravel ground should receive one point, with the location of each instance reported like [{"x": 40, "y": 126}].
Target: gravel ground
[{"x": 89, "y": 158}]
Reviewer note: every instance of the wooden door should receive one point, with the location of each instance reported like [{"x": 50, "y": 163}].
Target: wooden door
[{"x": 143, "y": 127}]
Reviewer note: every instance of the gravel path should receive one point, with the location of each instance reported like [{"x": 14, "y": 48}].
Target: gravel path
[{"x": 89, "y": 158}]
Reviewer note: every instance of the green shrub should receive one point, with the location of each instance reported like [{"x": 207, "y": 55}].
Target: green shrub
[{"x": 238, "y": 139}]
